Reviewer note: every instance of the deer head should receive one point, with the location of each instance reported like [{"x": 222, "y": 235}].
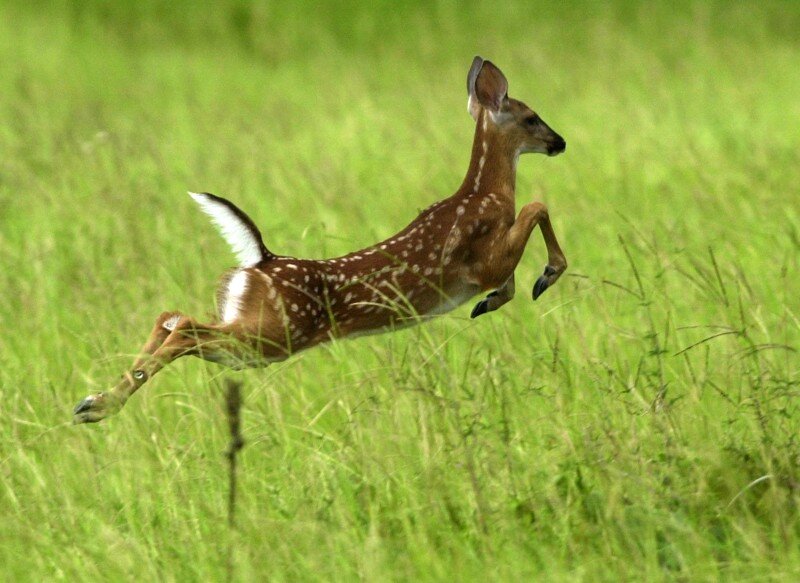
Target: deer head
[{"x": 520, "y": 127}]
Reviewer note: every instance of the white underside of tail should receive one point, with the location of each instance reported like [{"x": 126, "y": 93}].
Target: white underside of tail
[{"x": 245, "y": 246}]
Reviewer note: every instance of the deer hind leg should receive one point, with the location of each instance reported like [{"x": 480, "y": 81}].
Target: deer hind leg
[
  {"x": 495, "y": 299},
  {"x": 174, "y": 335}
]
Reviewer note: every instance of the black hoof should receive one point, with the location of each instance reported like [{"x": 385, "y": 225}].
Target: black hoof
[
  {"x": 541, "y": 284},
  {"x": 83, "y": 406},
  {"x": 96, "y": 407},
  {"x": 480, "y": 308}
]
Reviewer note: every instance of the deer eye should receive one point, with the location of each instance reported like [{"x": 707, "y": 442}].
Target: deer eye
[{"x": 532, "y": 120}]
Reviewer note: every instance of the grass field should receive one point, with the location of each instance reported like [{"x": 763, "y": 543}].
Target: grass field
[{"x": 639, "y": 422}]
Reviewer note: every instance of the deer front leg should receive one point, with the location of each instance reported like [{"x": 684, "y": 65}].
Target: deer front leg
[
  {"x": 529, "y": 216},
  {"x": 556, "y": 262},
  {"x": 495, "y": 299},
  {"x": 517, "y": 237},
  {"x": 174, "y": 335}
]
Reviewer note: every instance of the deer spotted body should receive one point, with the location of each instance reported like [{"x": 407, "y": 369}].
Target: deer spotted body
[{"x": 273, "y": 306}]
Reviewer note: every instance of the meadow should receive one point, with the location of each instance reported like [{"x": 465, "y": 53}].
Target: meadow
[{"x": 639, "y": 422}]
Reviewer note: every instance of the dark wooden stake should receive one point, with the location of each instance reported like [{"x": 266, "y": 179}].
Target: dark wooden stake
[{"x": 233, "y": 404}]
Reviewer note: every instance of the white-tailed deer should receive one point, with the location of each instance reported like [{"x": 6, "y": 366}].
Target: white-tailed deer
[{"x": 273, "y": 306}]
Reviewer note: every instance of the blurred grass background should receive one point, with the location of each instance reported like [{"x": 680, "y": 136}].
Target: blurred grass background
[{"x": 639, "y": 422}]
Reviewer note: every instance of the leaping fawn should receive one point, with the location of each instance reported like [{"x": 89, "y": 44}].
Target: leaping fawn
[{"x": 273, "y": 306}]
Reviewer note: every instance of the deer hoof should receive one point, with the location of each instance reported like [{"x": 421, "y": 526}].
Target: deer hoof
[
  {"x": 95, "y": 408},
  {"x": 480, "y": 308},
  {"x": 544, "y": 281},
  {"x": 541, "y": 284}
]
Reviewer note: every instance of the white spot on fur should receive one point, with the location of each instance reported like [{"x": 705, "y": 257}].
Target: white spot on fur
[{"x": 481, "y": 162}]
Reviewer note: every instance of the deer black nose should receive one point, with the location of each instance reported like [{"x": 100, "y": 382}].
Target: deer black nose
[{"x": 556, "y": 147}]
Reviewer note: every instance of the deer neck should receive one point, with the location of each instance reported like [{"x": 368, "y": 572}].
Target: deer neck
[{"x": 493, "y": 165}]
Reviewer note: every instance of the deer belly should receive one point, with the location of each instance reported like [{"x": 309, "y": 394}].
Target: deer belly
[
  {"x": 452, "y": 298},
  {"x": 375, "y": 319}
]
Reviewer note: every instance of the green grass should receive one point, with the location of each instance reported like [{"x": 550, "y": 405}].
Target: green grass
[{"x": 639, "y": 422}]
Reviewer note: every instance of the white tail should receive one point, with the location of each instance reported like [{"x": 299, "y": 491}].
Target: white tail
[
  {"x": 273, "y": 306},
  {"x": 236, "y": 227}
]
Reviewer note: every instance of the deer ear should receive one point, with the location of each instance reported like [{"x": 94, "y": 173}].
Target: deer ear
[
  {"x": 473, "y": 105},
  {"x": 491, "y": 87},
  {"x": 472, "y": 76}
]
